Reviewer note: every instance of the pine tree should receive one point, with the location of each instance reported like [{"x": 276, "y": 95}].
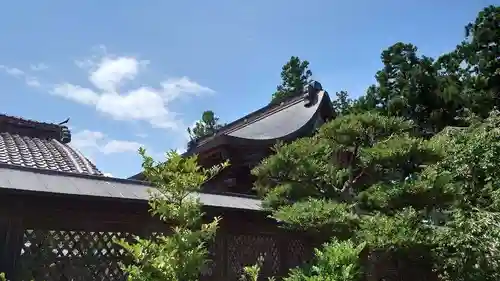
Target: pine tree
[{"x": 295, "y": 75}]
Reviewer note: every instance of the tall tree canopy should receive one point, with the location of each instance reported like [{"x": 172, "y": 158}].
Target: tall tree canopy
[
  {"x": 342, "y": 104},
  {"x": 206, "y": 126},
  {"x": 479, "y": 56},
  {"x": 295, "y": 75},
  {"x": 408, "y": 86},
  {"x": 441, "y": 92}
]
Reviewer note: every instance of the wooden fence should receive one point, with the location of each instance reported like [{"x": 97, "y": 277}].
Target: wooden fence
[{"x": 61, "y": 237}]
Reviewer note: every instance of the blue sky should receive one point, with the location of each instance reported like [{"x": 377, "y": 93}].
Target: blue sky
[{"x": 132, "y": 73}]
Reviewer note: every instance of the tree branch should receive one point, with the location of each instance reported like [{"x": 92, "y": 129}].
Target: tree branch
[{"x": 348, "y": 184}]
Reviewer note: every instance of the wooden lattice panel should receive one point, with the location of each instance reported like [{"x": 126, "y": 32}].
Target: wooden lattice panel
[
  {"x": 71, "y": 255},
  {"x": 244, "y": 250},
  {"x": 296, "y": 253}
]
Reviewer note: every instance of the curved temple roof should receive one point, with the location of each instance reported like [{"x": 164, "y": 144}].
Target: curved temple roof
[
  {"x": 287, "y": 121},
  {"x": 40, "y": 145}
]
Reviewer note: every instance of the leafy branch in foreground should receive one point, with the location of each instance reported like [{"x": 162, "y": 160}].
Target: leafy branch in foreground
[{"x": 181, "y": 254}]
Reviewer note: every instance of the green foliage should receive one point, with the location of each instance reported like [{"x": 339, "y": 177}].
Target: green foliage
[
  {"x": 355, "y": 179},
  {"x": 412, "y": 164},
  {"x": 3, "y": 278},
  {"x": 409, "y": 86},
  {"x": 481, "y": 48},
  {"x": 207, "y": 126},
  {"x": 467, "y": 247},
  {"x": 346, "y": 158},
  {"x": 441, "y": 92},
  {"x": 325, "y": 216},
  {"x": 337, "y": 261},
  {"x": 403, "y": 192},
  {"x": 467, "y": 243},
  {"x": 472, "y": 165},
  {"x": 404, "y": 230},
  {"x": 295, "y": 75},
  {"x": 182, "y": 253},
  {"x": 342, "y": 104},
  {"x": 252, "y": 272}
]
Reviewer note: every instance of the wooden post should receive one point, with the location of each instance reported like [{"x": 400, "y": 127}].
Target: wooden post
[{"x": 11, "y": 231}]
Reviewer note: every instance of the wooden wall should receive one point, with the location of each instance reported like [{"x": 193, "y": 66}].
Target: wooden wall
[{"x": 55, "y": 237}]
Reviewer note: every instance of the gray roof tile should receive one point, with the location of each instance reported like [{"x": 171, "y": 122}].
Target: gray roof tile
[
  {"x": 40, "y": 145},
  {"x": 28, "y": 179},
  {"x": 43, "y": 154}
]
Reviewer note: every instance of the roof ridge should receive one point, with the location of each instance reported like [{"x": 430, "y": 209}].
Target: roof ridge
[
  {"x": 33, "y": 128},
  {"x": 32, "y": 122}
]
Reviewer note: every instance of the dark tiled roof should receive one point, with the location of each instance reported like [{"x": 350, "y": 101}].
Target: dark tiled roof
[
  {"x": 22, "y": 179},
  {"x": 40, "y": 145}
]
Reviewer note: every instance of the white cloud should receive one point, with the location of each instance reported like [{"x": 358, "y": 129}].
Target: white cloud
[
  {"x": 76, "y": 93},
  {"x": 92, "y": 141},
  {"x": 144, "y": 103},
  {"x": 109, "y": 175},
  {"x": 174, "y": 87},
  {"x": 108, "y": 76},
  {"x": 110, "y": 73}
]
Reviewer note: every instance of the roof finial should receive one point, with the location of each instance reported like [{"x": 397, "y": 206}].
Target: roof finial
[
  {"x": 311, "y": 92},
  {"x": 65, "y": 135}
]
